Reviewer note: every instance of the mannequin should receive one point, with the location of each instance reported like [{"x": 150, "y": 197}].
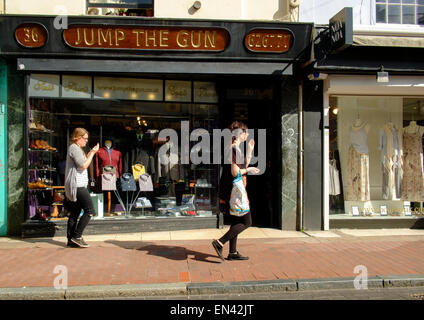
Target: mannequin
[
  {"x": 413, "y": 177},
  {"x": 390, "y": 145},
  {"x": 358, "y": 187},
  {"x": 412, "y": 127},
  {"x": 107, "y": 156},
  {"x": 359, "y": 124}
]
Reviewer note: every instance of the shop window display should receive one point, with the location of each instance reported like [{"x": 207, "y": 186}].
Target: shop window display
[
  {"x": 127, "y": 177},
  {"x": 376, "y": 156}
]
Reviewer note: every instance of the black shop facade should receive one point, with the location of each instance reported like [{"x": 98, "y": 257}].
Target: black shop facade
[{"x": 127, "y": 80}]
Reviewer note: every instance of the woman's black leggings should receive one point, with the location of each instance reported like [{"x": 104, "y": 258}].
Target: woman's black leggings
[
  {"x": 238, "y": 225},
  {"x": 75, "y": 227}
]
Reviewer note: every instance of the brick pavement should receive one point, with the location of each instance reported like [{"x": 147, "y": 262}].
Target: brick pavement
[{"x": 113, "y": 262}]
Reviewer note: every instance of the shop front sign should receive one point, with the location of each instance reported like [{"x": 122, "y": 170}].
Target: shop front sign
[
  {"x": 31, "y": 35},
  {"x": 341, "y": 30},
  {"x": 205, "y": 92},
  {"x": 44, "y": 85},
  {"x": 177, "y": 90},
  {"x": 146, "y": 38},
  {"x": 128, "y": 89},
  {"x": 269, "y": 40},
  {"x": 76, "y": 86}
]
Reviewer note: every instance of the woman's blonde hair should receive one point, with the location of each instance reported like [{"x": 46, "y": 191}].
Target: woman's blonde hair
[{"x": 78, "y": 133}]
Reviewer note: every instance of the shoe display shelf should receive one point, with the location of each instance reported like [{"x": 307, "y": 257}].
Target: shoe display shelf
[{"x": 41, "y": 172}]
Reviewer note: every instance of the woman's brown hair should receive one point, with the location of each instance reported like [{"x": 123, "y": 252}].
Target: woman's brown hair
[{"x": 237, "y": 125}]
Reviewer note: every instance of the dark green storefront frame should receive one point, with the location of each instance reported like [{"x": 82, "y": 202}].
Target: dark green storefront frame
[{"x": 3, "y": 148}]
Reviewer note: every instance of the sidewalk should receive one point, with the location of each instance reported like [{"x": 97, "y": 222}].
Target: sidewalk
[{"x": 184, "y": 262}]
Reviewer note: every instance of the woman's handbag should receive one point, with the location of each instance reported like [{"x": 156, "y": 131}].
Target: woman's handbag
[
  {"x": 108, "y": 181},
  {"x": 145, "y": 182},
  {"x": 138, "y": 169},
  {"x": 127, "y": 182},
  {"x": 239, "y": 202}
]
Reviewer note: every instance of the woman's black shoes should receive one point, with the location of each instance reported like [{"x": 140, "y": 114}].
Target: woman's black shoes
[
  {"x": 218, "y": 249},
  {"x": 79, "y": 242},
  {"x": 236, "y": 256},
  {"x": 72, "y": 245}
]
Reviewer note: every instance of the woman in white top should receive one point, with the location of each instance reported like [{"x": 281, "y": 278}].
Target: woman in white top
[{"x": 76, "y": 182}]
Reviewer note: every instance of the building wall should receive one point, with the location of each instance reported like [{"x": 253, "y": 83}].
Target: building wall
[
  {"x": 210, "y": 9},
  {"x": 223, "y": 9},
  {"x": 48, "y": 7},
  {"x": 16, "y": 151},
  {"x": 320, "y": 11}
]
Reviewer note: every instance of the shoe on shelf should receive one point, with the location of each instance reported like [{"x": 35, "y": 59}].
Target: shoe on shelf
[
  {"x": 38, "y": 144},
  {"x": 218, "y": 249},
  {"x": 40, "y": 127},
  {"x": 236, "y": 256},
  {"x": 80, "y": 242}
]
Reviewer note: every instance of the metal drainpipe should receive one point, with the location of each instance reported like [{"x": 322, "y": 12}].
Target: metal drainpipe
[{"x": 300, "y": 184}]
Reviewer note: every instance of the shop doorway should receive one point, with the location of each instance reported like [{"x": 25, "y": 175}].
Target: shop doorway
[{"x": 256, "y": 104}]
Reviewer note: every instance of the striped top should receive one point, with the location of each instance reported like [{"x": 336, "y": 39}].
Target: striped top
[{"x": 82, "y": 178}]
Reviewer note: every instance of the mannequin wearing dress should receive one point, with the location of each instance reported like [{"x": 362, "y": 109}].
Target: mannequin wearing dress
[
  {"x": 358, "y": 188},
  {"x": 390, "y": 145},
  {"x": 413, "y": 177}
]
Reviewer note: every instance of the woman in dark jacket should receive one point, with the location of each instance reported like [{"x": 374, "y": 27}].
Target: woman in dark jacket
[{"x": 239, "y": 164}]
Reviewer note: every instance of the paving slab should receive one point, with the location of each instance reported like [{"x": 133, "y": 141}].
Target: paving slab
[
  {"x": 382, "y": 232},
  {"x": 159, "y": 235},
  {"x": 322, "y": 234},
  {"x": 276, "y": 263}
]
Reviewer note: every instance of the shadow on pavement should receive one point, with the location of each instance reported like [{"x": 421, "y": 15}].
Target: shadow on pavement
[
  {"x": 169, "y": 252},
  {"x": 45, "y": 241}
]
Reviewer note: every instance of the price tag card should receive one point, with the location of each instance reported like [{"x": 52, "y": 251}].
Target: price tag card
[
  {"x": 383, "y": 210},
  {"x": 355, "y": 211}
]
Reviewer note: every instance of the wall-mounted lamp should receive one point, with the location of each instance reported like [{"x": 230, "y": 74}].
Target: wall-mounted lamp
[
  {"x": 382, "y": 76},
  {"x": 335, "y": 110}
]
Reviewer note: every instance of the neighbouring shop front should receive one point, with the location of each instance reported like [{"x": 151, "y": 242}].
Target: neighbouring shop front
[
  {"x": 373, "y": 134},
  {"x": 126, "y": 80}
]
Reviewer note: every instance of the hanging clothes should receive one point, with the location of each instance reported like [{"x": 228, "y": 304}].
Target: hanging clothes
[
  {"x": 140, "y": 152},
  {"x": 390, "y": 145},
  {"x": 358, "y": 184},
  {"x": 413, "y": 177},
  {"x": 334, "y": 179}
]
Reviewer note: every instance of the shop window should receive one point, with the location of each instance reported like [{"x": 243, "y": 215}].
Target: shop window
[
  {"x": 142, "y": 8},
  {"x": 125, "y": 115},
  {"x": 376, "y": 156},
  {"x": 400, "y": 11}
]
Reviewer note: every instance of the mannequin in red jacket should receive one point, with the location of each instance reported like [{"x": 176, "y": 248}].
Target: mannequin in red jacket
[{"x": 107, "y": 156}]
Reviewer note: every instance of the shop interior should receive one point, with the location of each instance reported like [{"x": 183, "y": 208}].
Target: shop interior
[
  {"x": 376, "y": 156},
  {"x": 127, "y": 132}
]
